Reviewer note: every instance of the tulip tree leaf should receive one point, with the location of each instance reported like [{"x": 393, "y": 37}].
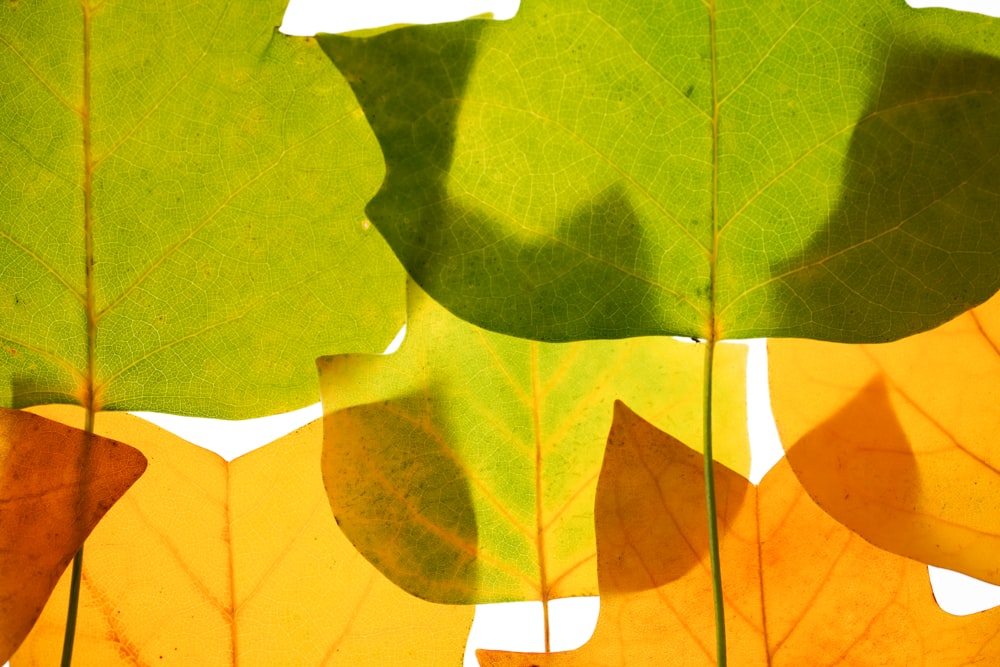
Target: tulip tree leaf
[
  {"x": 464, "y": 465},
  {"x": 215, "y": 563},
  {"x": 913, "y": 467},
  {"x": 55, "y": 485},
  {"x": 801, "y": 589},
  {"x": 818, "y": 169},
  {"x": 181, "y": 192}
]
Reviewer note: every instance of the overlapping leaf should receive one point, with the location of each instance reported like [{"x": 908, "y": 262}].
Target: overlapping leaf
[
  {"x": 800, "y": 588},
  {"x": 464, "y": 464},
  {"x": 212, "y": 563},
  {"x": 55, "y": 486},
  {"x": 820, "y": 169},
  {"x": 181, "y": 190},
  {"x": 913, "y": 465}
]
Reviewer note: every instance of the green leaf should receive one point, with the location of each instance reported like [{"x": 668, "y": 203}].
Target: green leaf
[
  {"x": 464, "y": 465},
  {"x": 181, "y": 190},
  {"x": 821, "y": 169}
]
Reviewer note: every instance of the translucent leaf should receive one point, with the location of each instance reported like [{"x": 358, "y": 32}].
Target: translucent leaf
[
  {"x": 215, "y": 563},
  {"x": 464, "y": 465},
  {"x": 800, "y": 588},
  {"x": 899, "y": 441},
  {"x": 181, "y": 189},
  {"x": 712, "y": 169},
  {"x": 55, "y": 485}
]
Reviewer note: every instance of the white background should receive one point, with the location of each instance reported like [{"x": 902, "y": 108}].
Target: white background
[{"x": 518, "y": 626}]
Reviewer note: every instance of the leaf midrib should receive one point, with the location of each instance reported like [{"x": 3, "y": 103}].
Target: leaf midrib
[
  {"x": 88, "y": 399},
  {"x": 543, "y": 577},
  {"x": 711, "y": 328}
]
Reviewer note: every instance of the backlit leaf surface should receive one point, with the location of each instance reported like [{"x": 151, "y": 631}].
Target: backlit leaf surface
[
  {"x": 464, "y": 464},
  {"x": 913, "y": 463},
  {"x": 212, "y": 563},
  {"x": 210, "y": 173},
  {"x": 54, "y": 488},
  {"x": 800, "y": 588},
  {"x": 733, "y": 168}
]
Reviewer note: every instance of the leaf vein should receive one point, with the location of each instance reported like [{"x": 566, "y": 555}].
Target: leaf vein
[
  {"x": 648, "y": 64},
  {"x": 39, "y": 77},
  {"x": 428, "y": 429},
  {"x": 625, "y": 273},
  {"x": 187, "y": 74},
  {"x": 597, "y": 152},
  {"x": 41, "y": 262},
  {"x": 79, "y": 375},
  {"x": 211, "y": 216},
  {"x": 763, "y": 59}
]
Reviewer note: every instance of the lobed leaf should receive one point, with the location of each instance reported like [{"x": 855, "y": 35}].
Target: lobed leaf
[
  {"x": 726, "y": 169},
  {"x": 55, "y": 485},
  {"x": 182, "y": 190},
  {"x": 898, "y": 441},
  {"x": 213, "y": 563},
  {"x": 800, "y": 588},
  {"x": 464, "y": 465}
]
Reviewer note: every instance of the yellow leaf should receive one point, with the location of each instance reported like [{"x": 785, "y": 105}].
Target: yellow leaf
[
  {"x": 54, "y": 488},
  {"x": 916, "y": 468},
  {"x": 212, "y": 563},
  {"x": 800, "y": 589}
]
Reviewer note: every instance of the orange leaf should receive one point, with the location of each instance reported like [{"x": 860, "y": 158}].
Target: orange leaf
[
  {"x": 54, "y": 488},
  {"x": 800, "y": 588},
  {"x": 213, "y": 563},
  {"x": 916, "y": 470}
]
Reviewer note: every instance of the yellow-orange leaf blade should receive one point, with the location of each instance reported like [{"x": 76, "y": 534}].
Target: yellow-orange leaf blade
[
  {"x": 54, "y": 488},
  {"x": 800, "y": 588},
  {"x": 914, "y": 467},
  {"x": 210, "y": 563}
]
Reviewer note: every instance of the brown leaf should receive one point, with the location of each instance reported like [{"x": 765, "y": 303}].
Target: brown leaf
[
  {"x": 916, "y": 468},
  {"x": 800, "y": 588},
  {"x": 209, "y": 563},
  {"x": 55, "y": 486}
]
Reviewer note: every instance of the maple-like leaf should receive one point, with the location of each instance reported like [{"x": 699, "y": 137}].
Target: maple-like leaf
[
  {"x": 211, "y": 563},
  {"x": 725, "y": 169},
  {"x": 914, "y": 465},
  {"x": 181, "y": 190},
  {"x": 464, "y": 464},
  {"x": 55, "y": 485},
  {"x": 800, "y": 588}
]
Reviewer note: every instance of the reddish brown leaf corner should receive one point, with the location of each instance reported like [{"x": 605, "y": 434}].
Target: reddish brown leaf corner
[{"x": 54, "y": 488}]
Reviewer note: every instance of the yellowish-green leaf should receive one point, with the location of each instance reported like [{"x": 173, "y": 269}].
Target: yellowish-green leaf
[
  {"x": 213, "y": 563},
  {"x": 914, "y": 465},
  {"x": 727, "y": 169},
  {"x": 800, "y": 588},
  {"x": 464, "y": 465},
  {"x": 55, "y": 485},
  {"x": 181, "y": 190}
]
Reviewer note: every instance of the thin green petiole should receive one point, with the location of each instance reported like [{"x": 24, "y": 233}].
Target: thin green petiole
[
  {"x": 77, "y": 574},
  {"x": 713, "y": 526},
  {"x": 74, "y": 603}
]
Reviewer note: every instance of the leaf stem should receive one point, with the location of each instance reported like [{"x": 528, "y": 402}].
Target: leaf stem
[
  {"x": 77, "y": 574},
  {"x": 713, "y": 526},
  {"x": 712, "y": 337},
  {"x": 74, "y": 603},
  {"x": 88, "y": 391}
]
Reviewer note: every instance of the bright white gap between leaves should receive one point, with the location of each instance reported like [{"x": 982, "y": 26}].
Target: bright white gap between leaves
[{"x": 518, "y": 626}]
